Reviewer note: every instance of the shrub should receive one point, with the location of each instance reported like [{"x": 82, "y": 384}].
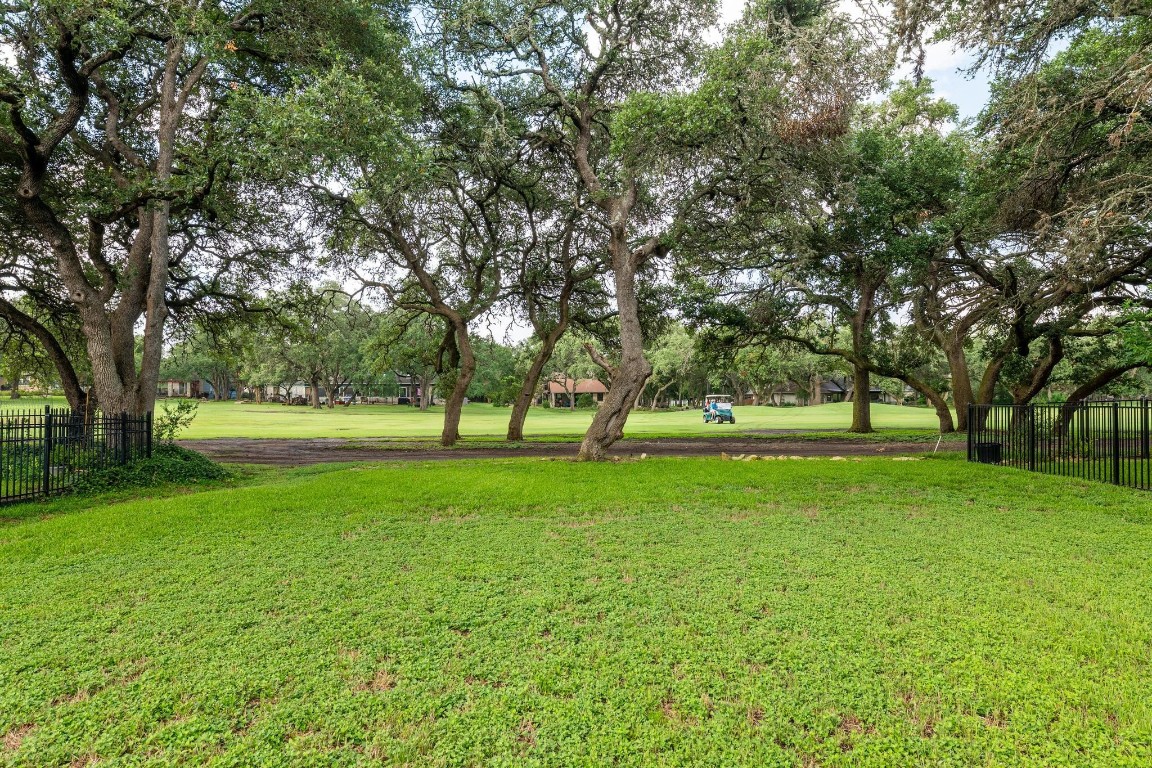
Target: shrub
[
  {"x": 174, "y": 418},
  {"x": 169, "y": 464}
]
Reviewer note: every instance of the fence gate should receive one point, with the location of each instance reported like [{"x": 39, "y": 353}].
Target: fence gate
[
  {"x": 45, "y": 452},
  {"x": 1106, "y": 441}
]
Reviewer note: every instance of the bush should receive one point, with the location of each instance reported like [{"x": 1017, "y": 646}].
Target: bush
[
  {"x": 169, "y": 464},
  {"x": 174, "y": 418}
]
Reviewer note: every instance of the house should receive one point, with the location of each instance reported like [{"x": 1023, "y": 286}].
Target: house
[
  {"x": 23, "y": 382},
  {"x": 178, "y": 388},
  {"x": 790, "y": 393},
  {"x": 559, "y": 389},
  {"x": 191, "y": 388},
  {"x": 411, "y": 389},
  {"x": 835, "y": 389},
  {"x": 793, "y": 393}
]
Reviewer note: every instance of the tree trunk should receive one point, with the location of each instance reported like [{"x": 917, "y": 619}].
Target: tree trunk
[
  {"x": 332, "y": 384},
  {"x": 172, "y": 100},
  {"x": 531, "y": 384},
  {"x": 69, "y": 381},
  {"x": 861, "y": 381},
  {"x": 548, "y": 341},
  {"x": 425, "y": 392},
  {"x": 815, "y": 385},
  {"x": 258, "y": 394},
  {"x": 1088, "y": 388},
  {"x": 656, "y": 397},
  {"x": 737, "y": 388},
  {"x": 943, "y": 412},
  {"x": 314, "y": 394},
  {"x": 1023, "y": 391},
  {"x": 156, "y": 310},
  {"x": 220, "y": 387},
  {"x": 990, "y": 379},
  {"x": 861, "y": 400},
  {"x": 629, "y": 377},
  {"x": 962, "y": 393},
  {"x": 454, "y": 404}
]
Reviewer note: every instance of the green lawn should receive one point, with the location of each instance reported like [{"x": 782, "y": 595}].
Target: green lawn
[
  {"x": 532, "y": 613},
  {"x": 236, "y": 419},
  {"x": 30, "y": 403},
  {"x": 230, "y": 419}
]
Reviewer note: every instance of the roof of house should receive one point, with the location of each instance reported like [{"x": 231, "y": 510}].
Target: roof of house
[
  {"x": 583, "y": 387},
  {"x": 829, "y": 386},
  {"x": 838, "y": 384}
]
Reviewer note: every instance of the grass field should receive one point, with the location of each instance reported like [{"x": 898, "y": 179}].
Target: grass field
[
  {"x": 530, "y": 613},
  {"x": 229, "y": 419},
  {"x": 248, "y": 420},
  {"x": 30, "y": 403}
]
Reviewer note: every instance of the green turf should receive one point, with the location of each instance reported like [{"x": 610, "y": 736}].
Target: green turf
[
  {"x": 232, "y": 419},
  {"x": 533, "y": 613},
  {"x": 239, "y": 419},
  {"x": 30, "y": 403}
]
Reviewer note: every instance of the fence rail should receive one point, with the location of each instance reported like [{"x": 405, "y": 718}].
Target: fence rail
[
  {"x": 46, "y": 452},
  {"x": 1100, "y": 440}
]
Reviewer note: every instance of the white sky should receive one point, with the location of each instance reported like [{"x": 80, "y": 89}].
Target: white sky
[{"x": 943, "y": 65}]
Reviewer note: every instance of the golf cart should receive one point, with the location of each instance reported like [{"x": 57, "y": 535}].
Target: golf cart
[{"x": 718, "y": 409}]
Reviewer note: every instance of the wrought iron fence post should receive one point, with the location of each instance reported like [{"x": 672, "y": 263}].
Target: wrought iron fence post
[
  {"x": 46, "y": 486},
  {"x": 1116, "y": 443},
  {"x": 1030, "y": 413},
  {"x": 1144, "y": 427},
  {"x": 971, "y": 427},
  {"x": 123, "y": 437},
  {"x": 148, "y": 439}
]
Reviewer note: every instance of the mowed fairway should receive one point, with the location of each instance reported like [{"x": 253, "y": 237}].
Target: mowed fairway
[
  {"x": 231, "y": 419},
  {"x": 531, "y": 613},
  {"x": 30, "y": 403}
]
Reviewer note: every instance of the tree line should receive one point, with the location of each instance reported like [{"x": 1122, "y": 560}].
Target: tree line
[
  {"x": 584, "y": 167},
  {"x": 334, "y": 343}
]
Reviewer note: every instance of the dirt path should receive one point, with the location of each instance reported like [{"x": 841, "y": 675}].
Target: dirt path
[{"x": 294, "y": 453}]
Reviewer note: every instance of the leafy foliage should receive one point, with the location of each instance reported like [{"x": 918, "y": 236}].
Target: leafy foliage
[
  {"x": 174, "y": 417},
  {"x": 169, "y": 464}
]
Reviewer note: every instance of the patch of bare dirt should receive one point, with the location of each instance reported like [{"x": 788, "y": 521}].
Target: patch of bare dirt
[
  {"x": 15, "y": 737},
  {"x": 304, "y": 452}
]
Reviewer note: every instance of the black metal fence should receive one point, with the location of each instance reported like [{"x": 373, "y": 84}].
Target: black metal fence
[
  {"x": 45, "y": 452},
  {"x": 1105, "y": 441}
]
